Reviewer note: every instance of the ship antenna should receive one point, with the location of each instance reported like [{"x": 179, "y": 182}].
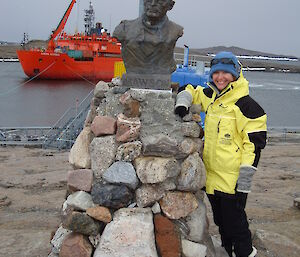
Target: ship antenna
[{"x": 89, "y": 19}]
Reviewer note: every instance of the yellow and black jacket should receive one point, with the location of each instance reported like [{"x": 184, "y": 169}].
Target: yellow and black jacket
[{"x": 235, "y": 133}]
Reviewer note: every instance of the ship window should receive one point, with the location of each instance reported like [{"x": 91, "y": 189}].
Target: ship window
[
  {"x": 36, "y": 71},
  {"x": 40, "y": 60}
]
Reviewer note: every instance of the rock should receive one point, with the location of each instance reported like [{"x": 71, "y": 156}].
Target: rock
[
  {"x": 190, "y": 129},
  {"x": 80, "y": 180},
  {"x": 297, "y": 202},
  {"x": 120, "y": 239},
  {"x": 103, "y": 151},
  {"x": 79, "y": 154},
  {"x": 76, "y": 245},
  {"x": 82, "y": 223},
  {"x": 110, "y": 105},
  {"x": 193, "y": 175},
  {"x": 103, "y": 125},
  {"x": 176, "y": 205},
  {"x": 100, "y": 89},
  {"x": 156, "y": 208},
  {"x": 146, "y": 195},
  {"x": 121, "y": 173},
  {"x": 167, "y": 238},
  {"x": 58, "y": 238},
  {"x": 128, "y": 129},
  {"x": 191, "y": 145},
  {"x": 192, "y": 249},
  {"x": 157, "y": 112},
  {"x": 80, "y": 200},
  {"x": 4, "y": 201},
  {"x": 95, "y": 240},
  {"x": 197, "y": 223},
  {"x": 111, "y": 196},
  {"x": 162, "y": 146},
  {"x": 156, "y": 169},
  {"x": 274, "y": 242},
  {"x": 99, "y": 213},
  {"x": 131, "y": 106},
  {"x": 127, "y": 152}
]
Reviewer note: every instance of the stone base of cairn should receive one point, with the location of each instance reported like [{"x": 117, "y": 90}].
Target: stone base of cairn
[{"x": 135, "y": 187}]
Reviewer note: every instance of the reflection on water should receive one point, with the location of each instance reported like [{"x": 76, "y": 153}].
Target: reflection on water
[{"x": 38, "y": 102}]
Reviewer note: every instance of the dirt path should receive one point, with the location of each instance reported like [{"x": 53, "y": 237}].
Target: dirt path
[{"x": 33, "y": 186}]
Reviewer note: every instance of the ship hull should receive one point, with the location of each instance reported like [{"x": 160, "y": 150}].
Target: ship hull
[{"x": 52, "y": 65}]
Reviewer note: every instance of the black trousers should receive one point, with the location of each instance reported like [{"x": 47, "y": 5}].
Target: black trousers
[{"x": 230, "y": 216}]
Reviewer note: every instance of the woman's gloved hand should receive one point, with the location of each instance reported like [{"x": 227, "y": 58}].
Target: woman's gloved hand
[{"x": 181, "y": 111}]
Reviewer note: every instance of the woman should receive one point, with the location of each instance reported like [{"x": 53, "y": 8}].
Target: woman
[{"x": 235, "y": 133}]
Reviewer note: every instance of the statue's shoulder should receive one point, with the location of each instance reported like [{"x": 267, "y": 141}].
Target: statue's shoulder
[
  {"x": 175, "y": 28},
  {"x": 124, "y": 27}
]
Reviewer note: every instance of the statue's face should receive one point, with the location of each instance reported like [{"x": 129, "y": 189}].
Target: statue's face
[{"x": 157, "y": 8}]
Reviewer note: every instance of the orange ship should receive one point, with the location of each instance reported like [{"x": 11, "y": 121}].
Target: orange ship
[{"x": 91, "y": 55}]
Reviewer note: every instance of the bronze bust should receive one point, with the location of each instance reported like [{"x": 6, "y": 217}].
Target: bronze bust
[{"x": 148, "y": 42}]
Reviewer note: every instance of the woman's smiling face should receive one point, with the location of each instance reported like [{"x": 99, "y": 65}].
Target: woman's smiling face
[{"x": 222, "y": 79}]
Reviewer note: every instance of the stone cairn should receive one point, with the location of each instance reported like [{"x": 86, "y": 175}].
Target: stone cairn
[{"x": 135, "y": 187}]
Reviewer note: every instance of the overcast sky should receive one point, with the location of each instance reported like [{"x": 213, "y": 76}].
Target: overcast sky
[{"x": 264, "y": 25}]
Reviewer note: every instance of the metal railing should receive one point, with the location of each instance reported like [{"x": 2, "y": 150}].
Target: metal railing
[
  {"x": 64, "y": 132},
  {"x": 61, "y": 135}
]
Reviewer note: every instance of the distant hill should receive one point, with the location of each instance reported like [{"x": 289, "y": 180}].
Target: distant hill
[{"x": 235, "y": 50}]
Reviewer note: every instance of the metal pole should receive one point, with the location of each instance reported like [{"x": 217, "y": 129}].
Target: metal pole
[{"x": 141, "y": 8}]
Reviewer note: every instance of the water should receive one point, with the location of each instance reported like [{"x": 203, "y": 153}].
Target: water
[
  {"x": 37, "y": 103},
  {"x": 41, "y": 102}
]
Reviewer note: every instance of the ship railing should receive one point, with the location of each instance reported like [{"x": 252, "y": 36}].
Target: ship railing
[{"x": 63, "y": 133}]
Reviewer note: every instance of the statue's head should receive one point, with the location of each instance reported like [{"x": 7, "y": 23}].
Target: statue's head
[{"x": 157, "y": 9}]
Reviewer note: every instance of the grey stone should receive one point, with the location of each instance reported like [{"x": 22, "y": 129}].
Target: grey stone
[
  {"x": 100, "y": 89},
  {"x": 58, "y": 238},
  {"x": 80, "y": 200},
  {"x": 190, "y": 129},
  {"x": 82, "y": 223},
  {"x": 197, "y": 223},
  {"x": 160, "y": 145},
  {"x": 192, "y": 249},
  {"x": 193, "y": 175},
  {"x": 156, "y": 169},
  {"x": 156, "y": 208},
  {"x": 111, "y": 196},
  {"x": 146, "y": 195},
  {"x": 110, "y": 105},
  {"x": 129, "y": 151},
  {"x": 120, "y": 239},
  {"x": 103, "y": 151},
  {"x": 121, "y": 173}
]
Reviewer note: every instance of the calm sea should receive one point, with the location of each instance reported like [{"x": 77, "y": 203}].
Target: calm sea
[{"x": 42, "y": 103}]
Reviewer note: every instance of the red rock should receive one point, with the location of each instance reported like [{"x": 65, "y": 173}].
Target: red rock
[
  {"x": 103, "y": 125},
  {"x": 128, "y": 129},
  {"x": 80, "y": 180},
  {"x": 99, "y": 213},
  {"x": 167, "y": 237},
  {"x": 76, "y": 245}
]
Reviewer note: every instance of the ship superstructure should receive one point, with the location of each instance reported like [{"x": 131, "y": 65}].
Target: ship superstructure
[{"x": 90, "y": 55}]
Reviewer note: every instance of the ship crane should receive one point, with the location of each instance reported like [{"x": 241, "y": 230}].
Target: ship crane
[{"x": 60, "y": 26}]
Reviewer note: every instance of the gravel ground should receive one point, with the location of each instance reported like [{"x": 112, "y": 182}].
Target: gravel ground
[{"x": 33, "y": 187}]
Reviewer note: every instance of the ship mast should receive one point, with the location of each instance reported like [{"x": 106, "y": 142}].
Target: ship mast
[
  {"x": 60, "y": 26},
  {"x": 89, "y": 19}
]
